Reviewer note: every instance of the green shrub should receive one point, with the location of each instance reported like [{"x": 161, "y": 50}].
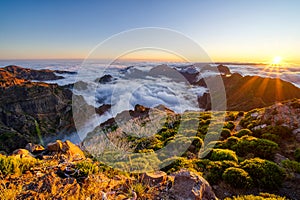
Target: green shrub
[
  {"x": 264, "y": 173},
  {"x": 243, "y": 132},
  {"x": 237, "y": 177},
  {"x": 229, "y": 125},
  {"x": 230, "y": 142},
  {"x": 272, "y": 137},
  {"x": 215, "y": 169},
  {"x": 281, "y": 131},
  {"x": 262, "y": 148},
  {"x": 226, "y": 133},
  {"x": 87, "y": 168},
  {"x": 15, "y": 165},
  {"x": 291, "y": 166},
  {"x": 265, "y": 148},
  {"x": 176, "y": 163},
  {"x": 231, "y": 116},
  {"x": 148, "y": 143},
  {"x": 297, "y": 154},
  {"x": 244, "y": 145},
  {"x": 223, "y": 154}
]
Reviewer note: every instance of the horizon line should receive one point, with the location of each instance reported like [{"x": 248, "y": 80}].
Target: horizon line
[{"x": 139, "y": 60}]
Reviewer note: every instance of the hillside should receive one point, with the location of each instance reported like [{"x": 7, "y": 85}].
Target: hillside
[{"x": 256, "y": 152}]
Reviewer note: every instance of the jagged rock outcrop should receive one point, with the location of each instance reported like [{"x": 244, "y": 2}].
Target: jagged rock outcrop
[{"x": 32, "y": 111}]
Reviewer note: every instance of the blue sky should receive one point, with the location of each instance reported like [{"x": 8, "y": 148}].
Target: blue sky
[{"x": 228, "y": 30}]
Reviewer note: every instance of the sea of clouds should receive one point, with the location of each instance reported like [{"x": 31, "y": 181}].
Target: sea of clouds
[{"x": 134, "y": 84}]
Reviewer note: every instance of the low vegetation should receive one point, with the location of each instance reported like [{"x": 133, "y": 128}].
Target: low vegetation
[{"x": 15, "y": 165}]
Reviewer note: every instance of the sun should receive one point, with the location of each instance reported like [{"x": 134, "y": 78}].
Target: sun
[{"x": 276, "y": 60}]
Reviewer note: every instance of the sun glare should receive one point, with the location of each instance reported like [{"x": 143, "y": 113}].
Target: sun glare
[{"x": 276, "y": 60}]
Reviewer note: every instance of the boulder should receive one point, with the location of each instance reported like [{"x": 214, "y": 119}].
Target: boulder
[
  {"x": 189, "y": 185},
  {"x": 71, "y": 151},
  {"x": 22, "y": 153},
  {"x": 55, "y": 146},
  {"x": 154, "y": 178}
]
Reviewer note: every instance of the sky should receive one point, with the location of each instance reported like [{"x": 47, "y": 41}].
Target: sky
[{"x": 228, "y": 30}]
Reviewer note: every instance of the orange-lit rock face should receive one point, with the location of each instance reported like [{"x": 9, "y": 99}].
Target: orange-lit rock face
[{"x": 7, "y": 79}]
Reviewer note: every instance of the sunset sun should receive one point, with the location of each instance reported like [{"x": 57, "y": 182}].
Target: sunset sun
[{"x": 276, "y": 60}]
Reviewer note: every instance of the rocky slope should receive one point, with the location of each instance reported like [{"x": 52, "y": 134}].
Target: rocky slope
[
  {"x": 63, "y": 172},
  {"x": 31, "y": 111}
]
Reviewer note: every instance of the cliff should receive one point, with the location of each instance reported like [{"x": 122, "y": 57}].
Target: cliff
[{"x": 31, "y": 111}]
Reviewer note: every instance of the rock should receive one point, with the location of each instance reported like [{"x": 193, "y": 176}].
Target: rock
[
  {"x": 262, "y": 126},
  {"x": 154, "y": 178},
  {"x": 102, "y": 109},
  {"x": 22, "y": 153},
  {"x": 190, "y": 73},
  {"x": 188, "y": 185},
  {"x": 104, "y": 79},
  {"x": 296, "y": 131},
  {"x": 278, "y": 158},
  {"x": 55, "y": 146},
  {"x": 71, "y": 151},
  {"x": 34, "y": 148},
  {"x": 224, "y": 69}
]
